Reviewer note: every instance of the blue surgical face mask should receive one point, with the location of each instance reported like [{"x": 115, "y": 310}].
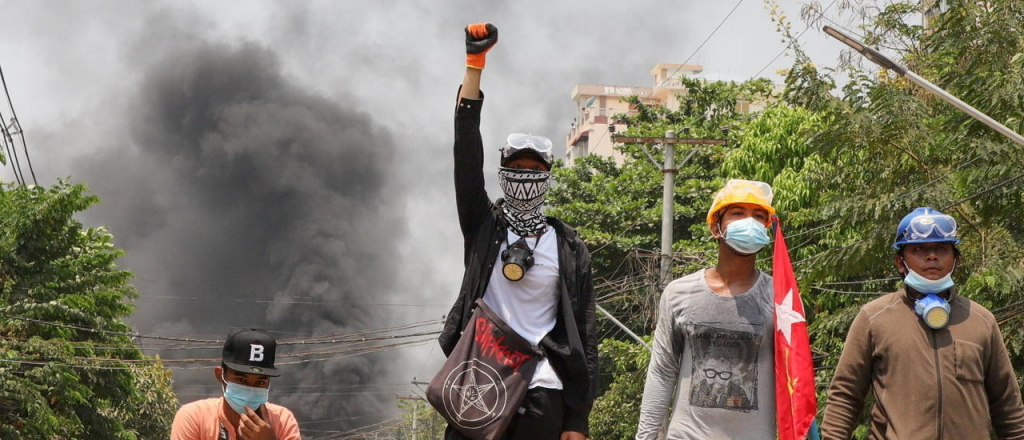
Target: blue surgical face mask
[
  {"x": 746, "y": 236},
  {"x": 921, "y": 284},
  {"x": 239, "y": 396}
]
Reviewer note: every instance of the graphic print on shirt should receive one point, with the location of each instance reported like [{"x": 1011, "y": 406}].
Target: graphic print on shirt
[{"x": 724, "y": 373}]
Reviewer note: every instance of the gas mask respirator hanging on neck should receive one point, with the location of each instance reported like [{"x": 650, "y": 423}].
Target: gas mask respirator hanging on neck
[{"x": 516, "y": 260}]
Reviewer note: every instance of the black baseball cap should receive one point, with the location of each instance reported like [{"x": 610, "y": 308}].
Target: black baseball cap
[{"x": 250, "y": 350}]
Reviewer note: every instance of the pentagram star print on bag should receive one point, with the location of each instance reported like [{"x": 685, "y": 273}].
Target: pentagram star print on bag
[{"x": 482, "y": 384}]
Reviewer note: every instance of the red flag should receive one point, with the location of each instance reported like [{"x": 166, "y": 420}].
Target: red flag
[{"x": 795, "y": 399}]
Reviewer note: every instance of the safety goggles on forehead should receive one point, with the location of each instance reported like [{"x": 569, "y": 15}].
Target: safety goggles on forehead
[
  {"x": 748, "y": 189},
  {"x": 931, "y": 226},
  {"x": 518, "y": 141},
  {"x": 518, "y": 175}
]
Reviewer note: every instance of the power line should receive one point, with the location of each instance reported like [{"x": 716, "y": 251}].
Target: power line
[
  {"x": 287, "y": 301},
  {"x": 861, "y": 281},
  {"x": 791, "y": 43},
  {"x": 107, "y": 332},
  {"x": 713, "y": 32},
  {"x": 357, "y": 336},
  {"x": 958, "y": 202},
  {"x": 352, "y": 341},
  {"x": 848, "y": 291},
  {"x": 21, "y": 133},
  {"x": 362, "y": 431},
  {"x": 12, "y": 152},
  {"x": 104, "y": 363},
  {"x": 282, "y": 300},
  {"x": 324, "y": 386}
]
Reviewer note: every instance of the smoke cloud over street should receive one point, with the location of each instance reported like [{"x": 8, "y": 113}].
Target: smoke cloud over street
[{"x": 269, "y": 204}]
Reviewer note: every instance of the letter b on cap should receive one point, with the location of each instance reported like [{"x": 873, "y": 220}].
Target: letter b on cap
[{"x": 255, "y": 353}]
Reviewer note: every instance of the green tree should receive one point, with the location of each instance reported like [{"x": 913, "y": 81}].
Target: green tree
[
  {"x": 889, "y": 146},
  {"x": 617, "y": 412},
  {"x": 428, "y": 422},
  {"x": 617, "y": 209},
  {"x": 69, "y": 370},
  {"x": 846, "y": 164}
]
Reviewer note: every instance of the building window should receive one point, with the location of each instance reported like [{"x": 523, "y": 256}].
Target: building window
[{"x": 580, "y": 149}]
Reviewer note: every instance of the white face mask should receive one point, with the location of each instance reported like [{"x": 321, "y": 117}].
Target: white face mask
[{"x": 924, "y": 285}]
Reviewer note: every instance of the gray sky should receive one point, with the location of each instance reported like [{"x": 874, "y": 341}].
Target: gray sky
[{"x": 249, "y": 151}]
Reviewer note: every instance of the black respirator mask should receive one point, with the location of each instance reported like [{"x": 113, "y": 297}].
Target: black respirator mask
[{"x": 516, "y": 260}]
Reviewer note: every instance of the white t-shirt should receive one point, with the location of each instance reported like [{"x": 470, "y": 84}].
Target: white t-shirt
[{"x": 530, "y": 305}]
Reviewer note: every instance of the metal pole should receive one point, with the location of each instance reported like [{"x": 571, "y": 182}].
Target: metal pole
[
  {"x": 977, "y": 114},
  {"x": 878, "y": 58},
  {"x": 667, "y": 205},
  {"x": 623, "y": 327}
]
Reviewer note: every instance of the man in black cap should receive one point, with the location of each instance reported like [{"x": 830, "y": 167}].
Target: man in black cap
[{"x": 243, "y": 413}]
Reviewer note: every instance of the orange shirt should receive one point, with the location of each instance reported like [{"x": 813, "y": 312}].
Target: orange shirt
[{"x": 203, "y": 420}]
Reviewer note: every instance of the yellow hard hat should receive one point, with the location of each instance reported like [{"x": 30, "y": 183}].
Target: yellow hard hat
[{"x": 742, "y": 191}]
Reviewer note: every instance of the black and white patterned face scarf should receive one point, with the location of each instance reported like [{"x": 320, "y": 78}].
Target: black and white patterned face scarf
[{"x": 524, "y": 197}]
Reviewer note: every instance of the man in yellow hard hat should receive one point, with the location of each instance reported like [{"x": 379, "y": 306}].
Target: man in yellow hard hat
[{"x": 713, "y": 340}]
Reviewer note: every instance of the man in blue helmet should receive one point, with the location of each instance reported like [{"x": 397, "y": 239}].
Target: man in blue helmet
[
  {"x": 934, "y": 360},
  {"x": 532, "y": 270}
]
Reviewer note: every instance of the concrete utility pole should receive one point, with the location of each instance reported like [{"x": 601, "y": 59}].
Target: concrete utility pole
[
  {"x": 668, "y": 193},
  {"x": 415, "y": 408},
  {"x": 667, "y": 207}
]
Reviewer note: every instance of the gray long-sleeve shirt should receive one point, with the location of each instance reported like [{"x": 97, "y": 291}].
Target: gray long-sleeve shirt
[{"x": 717, "y": 354}]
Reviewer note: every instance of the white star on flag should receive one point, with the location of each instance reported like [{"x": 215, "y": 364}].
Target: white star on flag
[{"x": 786, "y": 316}]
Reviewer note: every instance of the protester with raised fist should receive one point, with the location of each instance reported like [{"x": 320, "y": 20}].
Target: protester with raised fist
[
  {"x": 533, "y": 271},
  {"x": 242, "y": 413}
]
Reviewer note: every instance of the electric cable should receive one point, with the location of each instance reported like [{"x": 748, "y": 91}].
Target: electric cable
[
  {"x": 21, "y": 132},
  {"x": 358, "y": 336},
  {"x": 129, "y": 364},
  {"x": 285, "y": 300},
  {"x": 795, "y": 40},
  {"x": 12, "y": 152},
  {"x": 713, "y": 32},
  {"x": 8, "y": 144}
]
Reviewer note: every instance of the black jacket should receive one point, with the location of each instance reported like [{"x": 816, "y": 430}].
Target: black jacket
[{"x": 571, "y": 346}]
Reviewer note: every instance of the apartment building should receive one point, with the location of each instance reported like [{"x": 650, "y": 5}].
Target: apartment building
[{"x": 597, "y": 103}]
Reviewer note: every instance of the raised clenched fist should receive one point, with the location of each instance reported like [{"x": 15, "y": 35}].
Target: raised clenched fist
[{"x": 480, "y": 38}]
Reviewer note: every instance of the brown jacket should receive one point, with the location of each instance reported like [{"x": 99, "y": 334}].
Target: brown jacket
[{"x": 952, "y": 383}]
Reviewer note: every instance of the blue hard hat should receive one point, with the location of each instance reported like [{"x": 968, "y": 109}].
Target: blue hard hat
[{"x": 925, "y": 225}]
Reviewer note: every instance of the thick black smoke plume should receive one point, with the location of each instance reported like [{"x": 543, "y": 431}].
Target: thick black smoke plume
[{"x": 265, "y": 203}]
